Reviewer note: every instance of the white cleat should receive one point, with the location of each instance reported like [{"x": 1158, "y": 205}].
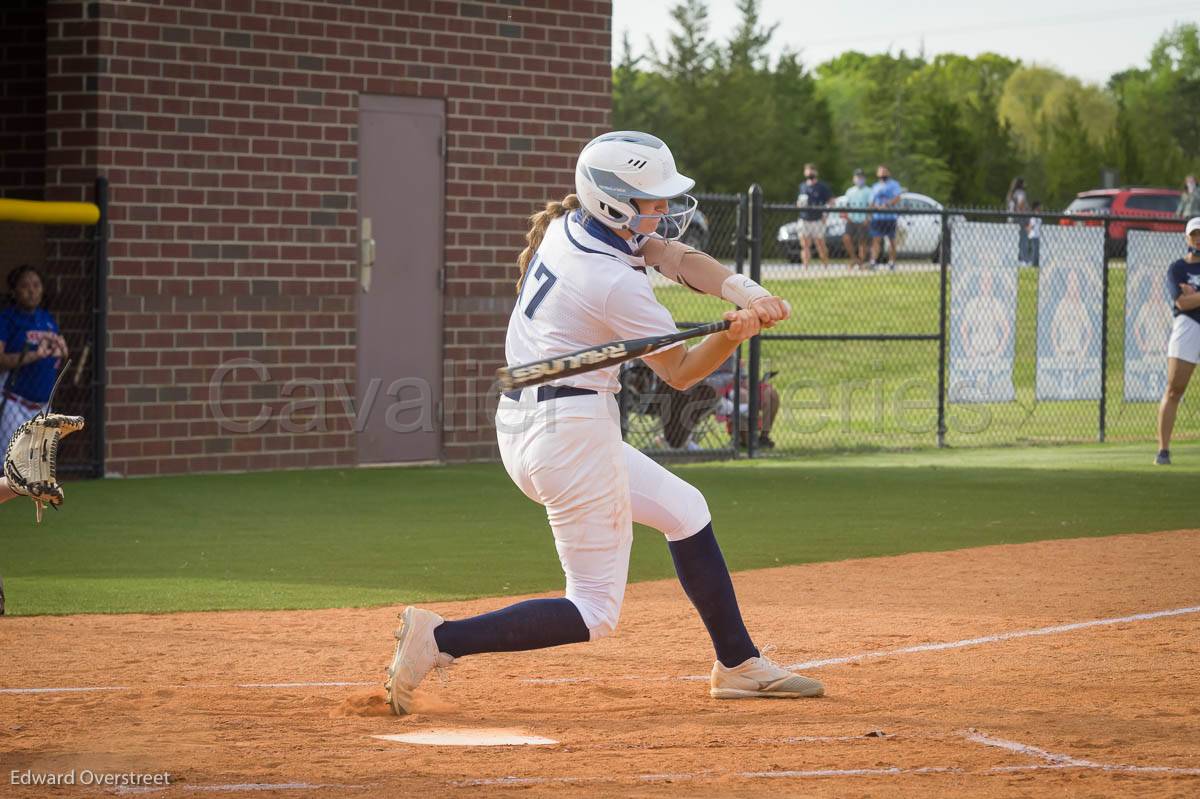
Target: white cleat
[
  {"x": 416, "y": 655},
  {"x": 758, "y": 678}
]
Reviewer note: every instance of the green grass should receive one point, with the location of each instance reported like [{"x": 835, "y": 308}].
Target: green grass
[
  {"x": 364, "y": 537},
  {"x": 883, "y": 395}
]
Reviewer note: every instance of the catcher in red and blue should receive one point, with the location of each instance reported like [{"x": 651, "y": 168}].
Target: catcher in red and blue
[{"x": 583, "y": 283}]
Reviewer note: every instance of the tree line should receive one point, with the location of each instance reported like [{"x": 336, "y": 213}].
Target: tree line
[{"x": 954, "y": 127}]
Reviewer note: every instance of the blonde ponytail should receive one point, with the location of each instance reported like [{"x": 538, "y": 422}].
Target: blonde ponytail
[{"x": 537, "y": 231}]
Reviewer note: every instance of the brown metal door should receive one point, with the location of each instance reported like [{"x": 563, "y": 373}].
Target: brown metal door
[{"x": 400, "y": 199}]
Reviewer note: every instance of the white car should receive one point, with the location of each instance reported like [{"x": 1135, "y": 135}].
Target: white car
[{"x": 917, "y": 235}]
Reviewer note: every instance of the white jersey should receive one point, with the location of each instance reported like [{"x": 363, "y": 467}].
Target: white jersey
[{"x": 584, "y": 286}]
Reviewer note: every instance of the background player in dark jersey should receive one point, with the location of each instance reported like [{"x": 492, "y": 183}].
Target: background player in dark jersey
[{"x": 1183, "y": 351}]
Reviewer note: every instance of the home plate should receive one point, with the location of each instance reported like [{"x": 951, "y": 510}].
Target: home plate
[{"x": 483, "y": 737}]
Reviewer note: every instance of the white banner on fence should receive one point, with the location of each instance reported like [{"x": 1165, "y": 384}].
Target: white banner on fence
[
  {"x": 1069, "y": 316},
  {"x": 983, "y": 311},
  {"x": 1147, "y": 313}
]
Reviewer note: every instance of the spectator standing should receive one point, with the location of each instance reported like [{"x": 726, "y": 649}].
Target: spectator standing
[
  {"x": 1034, "y": 233},
  {"x": 1189, "y": 203},
  {"x": 855, "y": 237},
  {"x": 814, "y": 195},
  {"x": 1018, "y": 202},
  {"x": 885, "y": 194}
]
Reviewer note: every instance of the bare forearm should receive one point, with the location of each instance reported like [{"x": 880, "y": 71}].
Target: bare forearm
[
  {"x": 1188, "y": 302},
  {"x": 682, "y": 368},
  {"x": 702, "y": 360},
  {"x": 14, "y": 360}
]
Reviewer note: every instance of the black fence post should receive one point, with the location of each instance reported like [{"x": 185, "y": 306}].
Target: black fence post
[
  {"x": 756, "y": 226},
  {"x": 1104, "y": 331},
  {"x": 742, "y": 239},
  {"x": 623, "y": 403},
  {"x": 100, "y": 327},
  {"x": 944, "y": 261},
  {"x": 742, "y": 236}
]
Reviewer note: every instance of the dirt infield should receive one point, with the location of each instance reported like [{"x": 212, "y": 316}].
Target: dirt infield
[{"x": 1104, "y": 709}]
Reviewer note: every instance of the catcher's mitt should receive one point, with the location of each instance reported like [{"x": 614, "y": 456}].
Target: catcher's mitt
[{"x": 32, "y": 455}]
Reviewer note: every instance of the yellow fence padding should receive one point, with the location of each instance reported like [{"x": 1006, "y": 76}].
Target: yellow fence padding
[{"x": 45, "y": 213}]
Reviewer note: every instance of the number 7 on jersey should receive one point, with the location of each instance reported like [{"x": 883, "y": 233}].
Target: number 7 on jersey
[{"x": 548, "y": 279}]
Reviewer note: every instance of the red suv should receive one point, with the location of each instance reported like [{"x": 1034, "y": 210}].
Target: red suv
[{"x": 1154, "y": 204}]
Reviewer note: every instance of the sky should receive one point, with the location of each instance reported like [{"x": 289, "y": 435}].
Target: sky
[{"x": 1090, "y": 39}]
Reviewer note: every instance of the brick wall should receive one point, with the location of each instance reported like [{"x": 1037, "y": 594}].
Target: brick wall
[{"x": 227, "y": 130}]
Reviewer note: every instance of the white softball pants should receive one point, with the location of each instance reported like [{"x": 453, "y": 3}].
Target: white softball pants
[{"x": 567, "y": 454}]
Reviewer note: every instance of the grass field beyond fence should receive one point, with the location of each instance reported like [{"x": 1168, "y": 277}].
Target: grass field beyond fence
[
  {"x": 883, "y": 395},
  {"x": 382, "y": 536}
]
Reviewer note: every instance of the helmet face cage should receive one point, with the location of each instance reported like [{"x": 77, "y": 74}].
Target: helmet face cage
[{"x": 671, "y": 225}]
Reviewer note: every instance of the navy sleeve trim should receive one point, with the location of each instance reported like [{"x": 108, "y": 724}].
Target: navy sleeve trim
[{"x": 567, "y": 229}]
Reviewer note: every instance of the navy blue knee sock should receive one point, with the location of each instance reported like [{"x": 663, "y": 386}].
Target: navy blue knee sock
[
  {"x": 705, "y": 579},
  {"x": 533, "y": 624}
]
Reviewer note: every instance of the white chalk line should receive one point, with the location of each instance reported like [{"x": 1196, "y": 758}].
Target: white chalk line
[
  {"x": 1057, "y": 760},
  {"x": 843, "y": 772},
  {"x": 303, "y": 684},
  {"x": 1052, "y": 761},
  {"x": 64, "y": 690},
  {"x": 266, "y": 786},
  {"x": 624, "y": 678},
  {"x": 192, "y": 686},
  {"x": 909, "y": 650},
  {"x": 243, "y": 786},
  {"x": 893, "y": 771},
  {"x": 998, "y": 637},
  {"x": 669, "y": 777},
  {"x": 1025, "y": 749},
  {"x": 805, "y": 739}
]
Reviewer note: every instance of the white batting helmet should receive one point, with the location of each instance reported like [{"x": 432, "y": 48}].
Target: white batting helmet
[{"x": 616, "y": 168}]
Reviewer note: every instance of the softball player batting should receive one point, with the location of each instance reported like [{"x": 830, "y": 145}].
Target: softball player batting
[{"x": 582, "y": 284}]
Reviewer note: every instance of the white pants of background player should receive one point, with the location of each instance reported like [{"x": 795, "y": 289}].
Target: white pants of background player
[
  {"x": 567, "y": 454},
  {"x": 1185, "y": 339},
  {"x": 14, "y": 414}
]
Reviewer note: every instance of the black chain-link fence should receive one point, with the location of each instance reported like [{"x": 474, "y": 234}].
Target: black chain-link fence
[
  {"x": 51, "y": 311},
  {"x": 980, "y": 328},
  {"x": 698, "y": 422}
]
